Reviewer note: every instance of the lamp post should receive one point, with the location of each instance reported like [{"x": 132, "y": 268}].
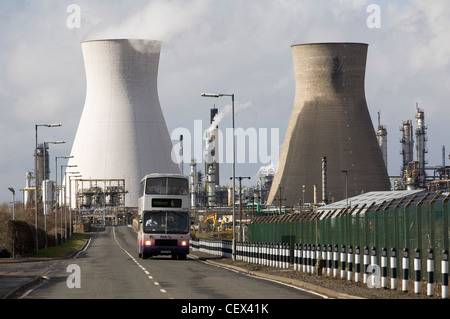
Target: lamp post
[
  {"x": 346, "y": 188},
  {"x": 12, "y": 190},
  {"x": 346, "y": 204},
  {"x": 57, "y": 194},
  {"x": 45, "y": 177},
  {"x": 303, "y": 198},
  {"x": 36, "y": 179},
  {"x": 241, "y": 231},
  {"x": 65, "y": 208},
  {"x": 70, "y": 199},
  {"x": 65, "y": 196},
  {"x": 215, "y": 95}
]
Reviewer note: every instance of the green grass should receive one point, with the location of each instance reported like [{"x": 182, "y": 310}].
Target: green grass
[{"x": 76, "y": 242}]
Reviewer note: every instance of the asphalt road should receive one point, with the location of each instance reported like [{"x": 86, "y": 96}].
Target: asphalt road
[{"x": 109, "y": 268}]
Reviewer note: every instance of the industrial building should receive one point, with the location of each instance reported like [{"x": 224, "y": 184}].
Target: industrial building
[{"x": 414, "y": 172}]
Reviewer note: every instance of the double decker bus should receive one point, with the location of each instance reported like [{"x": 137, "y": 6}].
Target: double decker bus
[{"x": 164, "y": 220}]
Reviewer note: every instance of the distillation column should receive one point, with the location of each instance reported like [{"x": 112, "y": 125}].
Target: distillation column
[{"x": 421, "y": 150}]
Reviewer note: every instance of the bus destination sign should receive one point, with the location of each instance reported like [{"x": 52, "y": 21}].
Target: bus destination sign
[{"x": 166, "y": 202}]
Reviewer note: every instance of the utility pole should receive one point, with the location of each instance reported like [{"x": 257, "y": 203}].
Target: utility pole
[
  {"x": 279, "y": 198},
  {"x": 241, "y": 231}
]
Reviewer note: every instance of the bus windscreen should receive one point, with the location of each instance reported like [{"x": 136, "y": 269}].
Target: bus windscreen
[{"x": 166, "y": 223}]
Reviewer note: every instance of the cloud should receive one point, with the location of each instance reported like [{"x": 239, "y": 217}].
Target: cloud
[
  {"x": 240, "y": 47},
  {"x": 158, "y": 20}
]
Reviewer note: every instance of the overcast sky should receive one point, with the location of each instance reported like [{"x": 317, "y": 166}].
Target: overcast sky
[{"x": 237, "y": 46}]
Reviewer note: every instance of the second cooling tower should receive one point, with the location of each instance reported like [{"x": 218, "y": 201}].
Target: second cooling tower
[
  {"x": 122, "y": 132},
  {"x": 329, "y": 119}
]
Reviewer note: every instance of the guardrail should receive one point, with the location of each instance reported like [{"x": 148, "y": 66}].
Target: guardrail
[{"x": 343, "y": 262}]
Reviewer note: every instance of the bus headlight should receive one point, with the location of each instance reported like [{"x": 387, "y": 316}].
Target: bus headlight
[
  {"x": 183, "y": 243},
  {"x": 148, "y": 243}
]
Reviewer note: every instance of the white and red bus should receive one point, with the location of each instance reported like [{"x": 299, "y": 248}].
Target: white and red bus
[{"x": 164, "y": 220}]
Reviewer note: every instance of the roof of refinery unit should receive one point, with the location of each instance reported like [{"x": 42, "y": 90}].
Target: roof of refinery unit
[{"x": 375, "y": 201}]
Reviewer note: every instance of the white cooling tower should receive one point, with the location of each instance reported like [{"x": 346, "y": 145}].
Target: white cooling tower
[{"x": 122, "y": 132}]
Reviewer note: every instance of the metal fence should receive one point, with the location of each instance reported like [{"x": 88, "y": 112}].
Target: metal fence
[
  {"x": 405, "y": 238},
  {"x": 420, "y": 224},
  {"x": 343, "y": 262}
]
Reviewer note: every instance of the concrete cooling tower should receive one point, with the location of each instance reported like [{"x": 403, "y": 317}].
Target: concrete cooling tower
[
  {"x": 122, "y": 132},
  {"x": 329, "y": 119}
]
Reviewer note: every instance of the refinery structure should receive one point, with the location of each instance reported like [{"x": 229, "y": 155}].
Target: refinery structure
[{"x": 330, "y": 152}]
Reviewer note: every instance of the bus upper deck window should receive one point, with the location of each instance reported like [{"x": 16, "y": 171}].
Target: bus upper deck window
[{"x": 156, "y": 186}]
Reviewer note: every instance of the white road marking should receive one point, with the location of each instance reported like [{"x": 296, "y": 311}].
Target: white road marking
[{"x": 137, "y": 263}]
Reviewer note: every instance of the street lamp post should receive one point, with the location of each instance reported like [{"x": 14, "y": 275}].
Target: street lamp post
[
  {"x": 241, "y": 230},
  {"x": 45, "y": 215},
  {"x": 303, "y": 198},
  {"x": 70, "y": 200},
  {"x": 36, "y": 180},
  {"x": 346, "y": 188},
  {"x": 12, "y": 190},
  {"x": 64, "y": 202},
  {"x": 65, "y": 196},
  {"x": 234, "y": 166},
  {"x": 57, "y": 195},
  {"x": 346, "y": 202}
]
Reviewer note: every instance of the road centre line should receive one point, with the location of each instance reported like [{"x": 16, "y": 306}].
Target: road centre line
[{"x": 137, "y": 263}]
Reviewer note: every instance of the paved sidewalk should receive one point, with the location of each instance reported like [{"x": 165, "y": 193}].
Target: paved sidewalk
[
  {"x": 10, "y": 285},
  {"x": 20, "y": 273}
]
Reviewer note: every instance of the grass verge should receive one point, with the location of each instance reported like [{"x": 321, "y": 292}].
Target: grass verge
[{"x": 76, "y": 242}]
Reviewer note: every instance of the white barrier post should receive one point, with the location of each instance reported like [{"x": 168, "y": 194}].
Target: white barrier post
[
  {"x": 373, "y": 261},
  {"x": 265, "y": 254},
  {"x": 335, "y": 260},
  {"x": 350, "y": 263},
  {"x": 272, "y": 255},
  {"x": 329, "y": 259},
  {"x": 444, "y": 271},
  {"x": 308, "y": 258},
  {"x": 357, "y": 264},
  {"x": 405, "y": 267},
  {"x": 304, "y": 258},
  {"x": 343, "y": 259},
  {"x": 296, "y": 256},
  {"x": 313, "y": 259},
  {"x": 318, "y": 254},
  {"x": 366, "y": 264},
  {"x": 430, "y": 273},
  {"x": 393, "y": 269},
  {"x": 417, "y": 271},
  {"x": 384, "y": 267},
  {"x": 286, "y": 255}
]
